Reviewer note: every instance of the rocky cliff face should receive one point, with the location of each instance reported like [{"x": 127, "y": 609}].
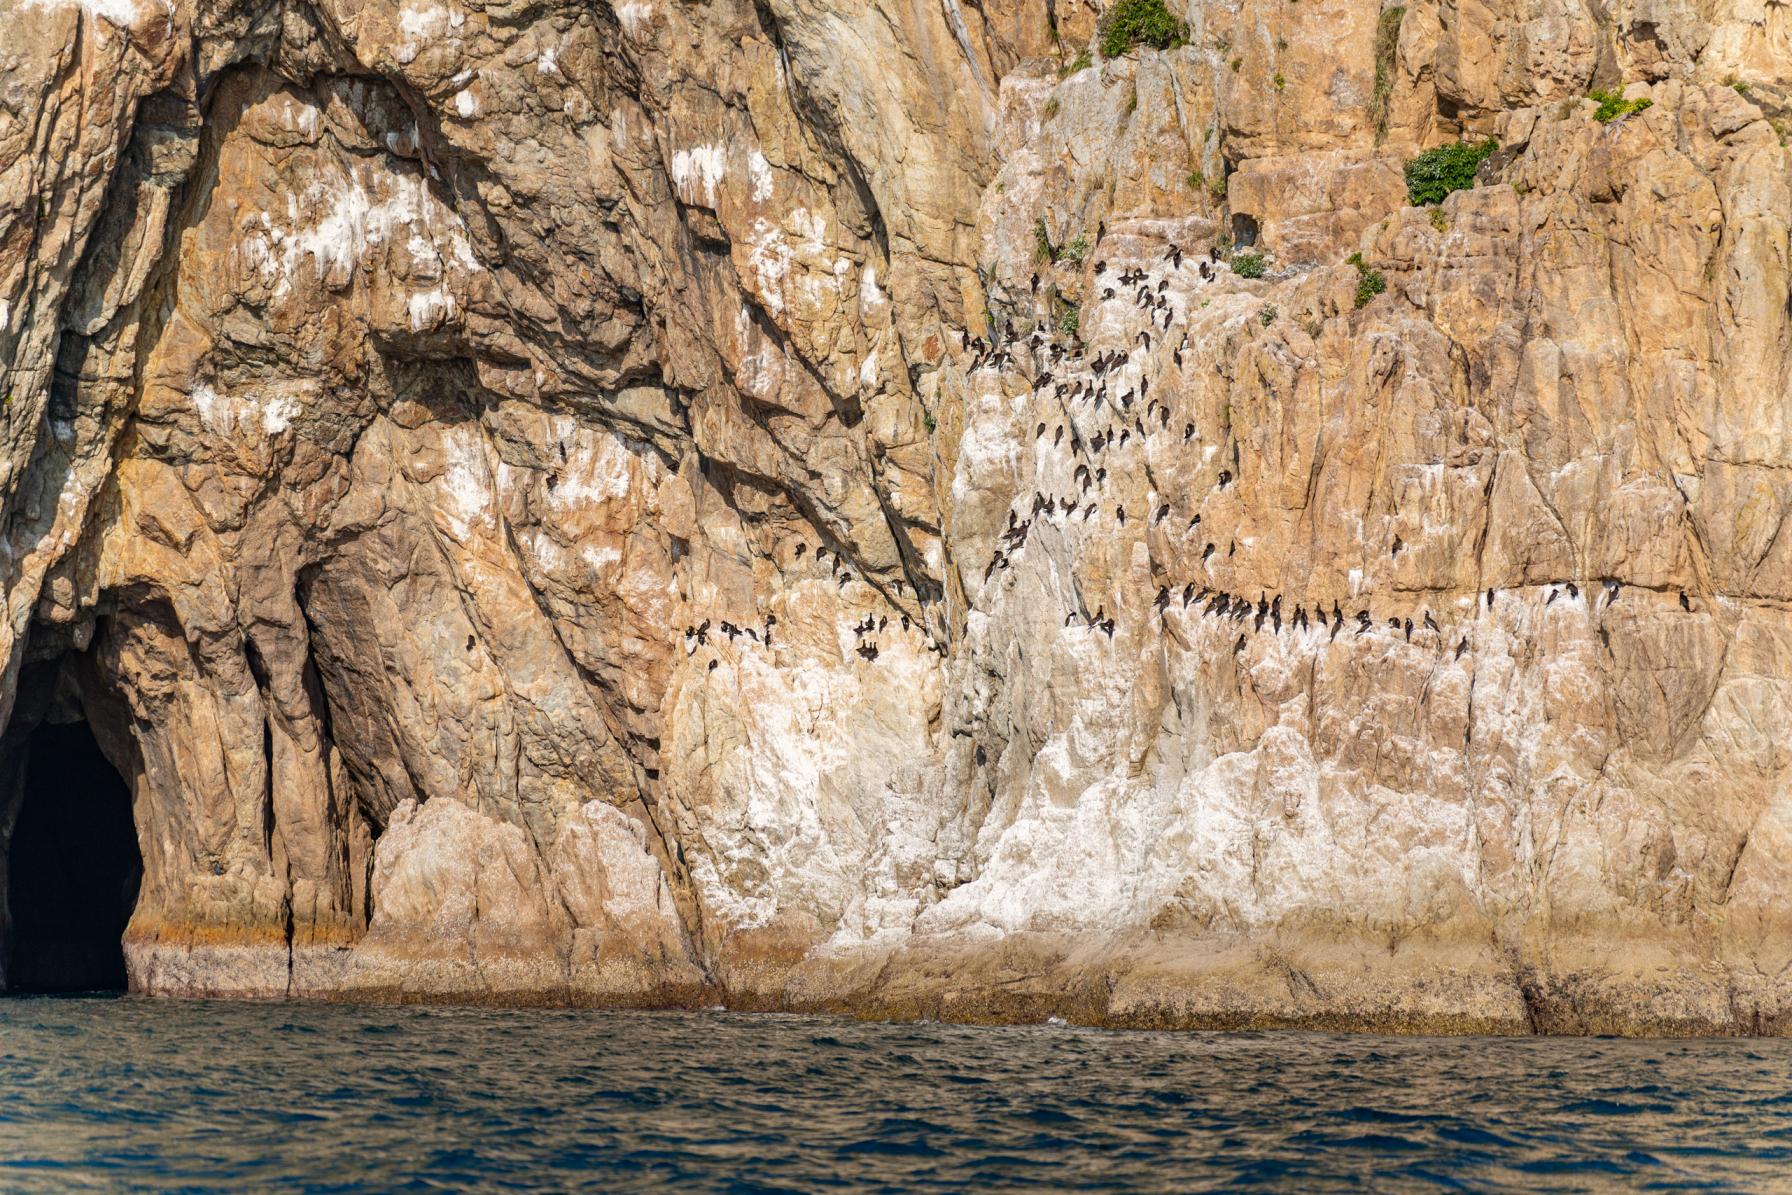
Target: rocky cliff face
[{"x": 784, "y": 502}]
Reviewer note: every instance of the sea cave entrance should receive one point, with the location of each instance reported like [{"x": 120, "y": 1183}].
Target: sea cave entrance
[{"x": 72, "y": 866}]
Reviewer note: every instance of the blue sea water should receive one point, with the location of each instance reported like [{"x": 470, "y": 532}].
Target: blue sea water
[{"x": 134, "y": 1094}]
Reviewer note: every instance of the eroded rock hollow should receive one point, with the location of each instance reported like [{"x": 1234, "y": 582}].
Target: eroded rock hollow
[{"x": 812, "y": 504}]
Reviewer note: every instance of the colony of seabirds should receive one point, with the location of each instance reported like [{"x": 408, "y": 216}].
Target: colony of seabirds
[{"x": 1076, "y": 380}]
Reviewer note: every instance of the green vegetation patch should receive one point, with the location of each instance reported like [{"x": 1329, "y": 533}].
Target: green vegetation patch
[
  {"x": 1369, "y": 282},
  {"x": 1140, "y": 23},
  {"x": 1084, "y": 60},
  {"x": 1436, "y": 172},
  {"x": 1387, "y": 42},
  {"x": 1612, "y": 105},
  {"x": 1073, "y": 250},
  {"x": 1249, "y": 265}
]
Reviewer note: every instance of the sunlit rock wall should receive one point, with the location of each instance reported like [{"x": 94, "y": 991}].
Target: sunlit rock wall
[{"x": 787, "y": 504}]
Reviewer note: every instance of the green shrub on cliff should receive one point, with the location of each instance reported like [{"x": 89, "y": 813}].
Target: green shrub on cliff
[
  {"x": 1249, "y": 265},
  {"x": 1140, "y": 23},
  {"x": 1612, "y": 105},
  {"x": 1369, "y": 282},
  {"x": 1072, "y": 251},
  {"x": 1387, "y": 44},
  {"x": 1436, "y": 172}
]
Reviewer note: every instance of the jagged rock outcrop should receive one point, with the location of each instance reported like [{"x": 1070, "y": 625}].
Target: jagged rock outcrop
[{"x": 787, "y": 503}]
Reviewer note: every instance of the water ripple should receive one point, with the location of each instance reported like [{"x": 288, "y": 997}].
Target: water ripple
[{"x": 126, "y": 1094}]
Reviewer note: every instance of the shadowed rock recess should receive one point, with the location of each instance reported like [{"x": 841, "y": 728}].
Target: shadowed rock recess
[{"x": 802, "y": 504}]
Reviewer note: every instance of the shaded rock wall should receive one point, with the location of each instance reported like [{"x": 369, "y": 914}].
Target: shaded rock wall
[{"x": 785, "y": 503}]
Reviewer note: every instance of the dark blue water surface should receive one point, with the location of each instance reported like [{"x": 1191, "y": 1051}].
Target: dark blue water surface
[{"x": 110, "y": 1094}]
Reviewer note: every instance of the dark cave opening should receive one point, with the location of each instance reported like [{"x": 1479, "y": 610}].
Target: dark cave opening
[
  {"x": 1244, "y": 230},
  {"x": 73, "y": 867}
]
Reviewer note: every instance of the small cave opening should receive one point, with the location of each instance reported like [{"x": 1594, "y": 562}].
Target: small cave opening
[
  {"x": 73, "y": 866},
  {"x": 1244, "y": 230}
]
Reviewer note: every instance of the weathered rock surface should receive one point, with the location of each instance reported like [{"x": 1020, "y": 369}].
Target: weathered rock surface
[{"x": 605, "y": 504}]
